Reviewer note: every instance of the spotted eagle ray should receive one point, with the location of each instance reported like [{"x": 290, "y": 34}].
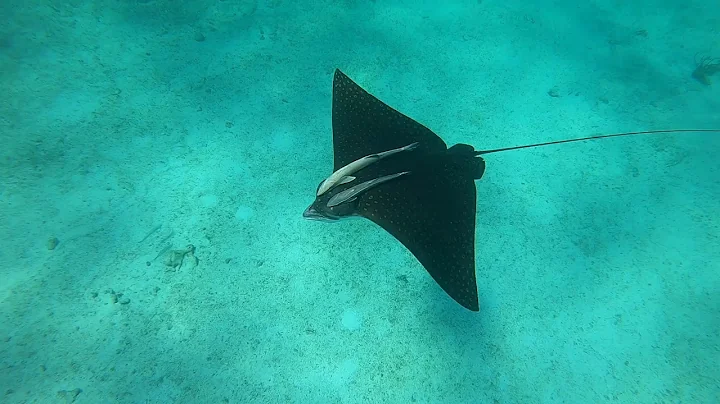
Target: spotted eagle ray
[{"x": 399, "y": 174}]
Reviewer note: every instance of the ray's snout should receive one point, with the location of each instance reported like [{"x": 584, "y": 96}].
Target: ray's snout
[{"x": 310, "y": 213}]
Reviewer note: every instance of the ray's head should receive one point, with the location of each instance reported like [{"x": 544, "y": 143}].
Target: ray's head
[{"x": 319, "y": 209}]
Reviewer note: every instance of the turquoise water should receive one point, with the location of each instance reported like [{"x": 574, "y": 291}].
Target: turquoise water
[{"x": 131, "y": 129}]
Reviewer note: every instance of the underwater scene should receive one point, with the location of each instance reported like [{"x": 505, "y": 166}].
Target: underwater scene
[{"x": 360, "y": 201}]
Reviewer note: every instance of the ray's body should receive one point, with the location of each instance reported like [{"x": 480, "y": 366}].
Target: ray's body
[{"x": 420, "y": 191}]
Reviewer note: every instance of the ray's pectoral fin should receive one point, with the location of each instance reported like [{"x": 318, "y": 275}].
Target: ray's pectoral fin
[{"x": 432, "y": 213}]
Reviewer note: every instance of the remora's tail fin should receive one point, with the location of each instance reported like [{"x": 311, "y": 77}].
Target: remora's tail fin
[{"x": 468, "y": 159}]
